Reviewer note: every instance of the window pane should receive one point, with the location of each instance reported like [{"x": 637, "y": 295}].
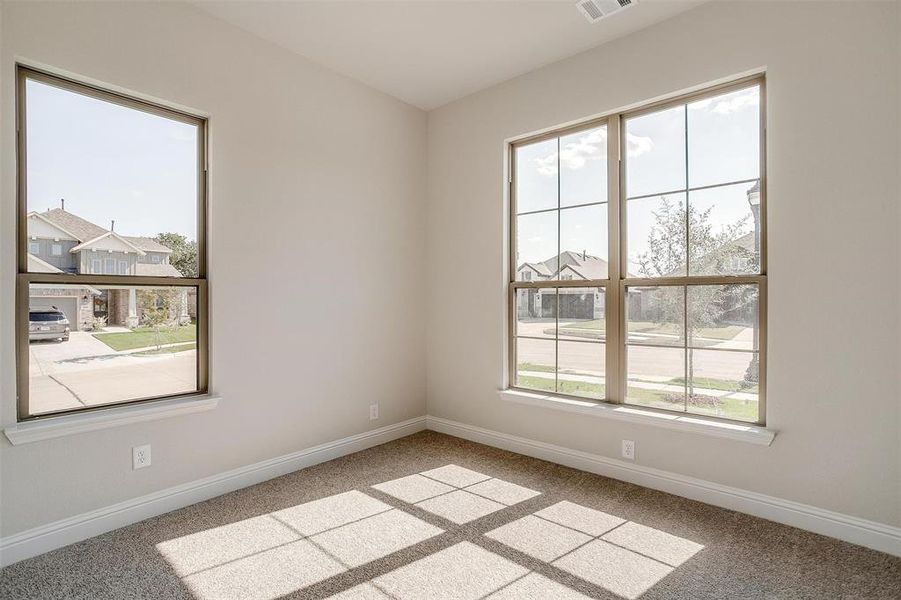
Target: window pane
[
  {"x": 725, "y": 230},
  {"x": 580, "y": 369},
  {"x": 109, "y": 344},
  {"x": 655, "y": 237},
  {"x": 583, "y": 167},
  {"x": 536, "y": 246},
  {"x": 109, "y": 183},
  {"x": 535, "y": 364},
  {"x": 723, "y": 316},
  {"x": 724, "y": 138},
  {"x": 536, "y": 312},
  {"x": 656, "y": 377},
  {"x": 723, "y": 384},
  {"x": 583, "y": 242},
  {"x": 536, "y": 176},
  {"x": 655, "y": 152},
  {"x": 582, "y": 314},
  {"x": 655, "y": 315}
]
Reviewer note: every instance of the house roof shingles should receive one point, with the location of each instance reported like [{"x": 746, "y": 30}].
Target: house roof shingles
[
  {"x": 584, "y": 265},
  {"x": 156, "y": 270},
  {"x": 147, "y": 244},
  {"x": 85, "y": 231}
]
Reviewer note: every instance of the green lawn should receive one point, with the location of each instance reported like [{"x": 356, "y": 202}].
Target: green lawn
[
  {"x": 594, "y": 391},
  {"x": 717, "y": 333},
  {"x": 710, "y": 383},
  {"x": 527, "y": 366},
  {"x": 729, "y": 408},
  {"x": 168, "y": 350},
  {"x": 143, "y": 337}
]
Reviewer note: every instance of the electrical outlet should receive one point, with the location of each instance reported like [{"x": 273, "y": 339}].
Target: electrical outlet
[
  {"x": 629, "y": 449},
  {"x": 140, "y": 456},
  {"x": 373, "y": 412}
]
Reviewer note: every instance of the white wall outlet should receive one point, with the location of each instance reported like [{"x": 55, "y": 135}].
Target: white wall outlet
[
  {"x": 629, "y": 449},
  {"x": 373, "y": 412},
  {"x": 140, "y": 456}
]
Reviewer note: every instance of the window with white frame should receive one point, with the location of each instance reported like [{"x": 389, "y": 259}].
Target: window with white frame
[
  {"x": 661, "y": 213},
  {"x": 73, "y": 136},
  {"x": 34, "y": 248}
]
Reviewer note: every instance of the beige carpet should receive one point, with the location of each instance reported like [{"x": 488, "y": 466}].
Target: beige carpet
[{"x": 431, "y": 516}]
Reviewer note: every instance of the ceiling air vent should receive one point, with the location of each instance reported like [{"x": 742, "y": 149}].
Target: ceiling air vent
[{"x": 595, "y": 10}]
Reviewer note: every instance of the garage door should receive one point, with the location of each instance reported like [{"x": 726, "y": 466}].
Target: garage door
[
  {"x": 577, "y": 306},
  {"x": 67, "y": 305}
]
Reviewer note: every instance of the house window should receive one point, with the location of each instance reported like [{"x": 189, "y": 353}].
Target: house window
[
  {"x": 662, "y": 211},
  {"x": 60, "y": 111},
  {"x": 527, "y": 275},
  {"x": 155, "y": 259},
  {"x": 34, "y": 248}
]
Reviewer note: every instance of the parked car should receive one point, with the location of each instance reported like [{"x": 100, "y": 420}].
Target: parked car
[{"x": 47, "y": 324}]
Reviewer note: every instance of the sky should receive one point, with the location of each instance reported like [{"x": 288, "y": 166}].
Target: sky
[
  {"x": 110, "y": 162},
  {"x": 723, "y": 146}
]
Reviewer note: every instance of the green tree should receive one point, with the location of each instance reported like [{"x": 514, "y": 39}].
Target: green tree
[
  {"x": 184, "y": 252},
  {"x": 708, "y": 252},
  {"x": 156, "y": 308}
]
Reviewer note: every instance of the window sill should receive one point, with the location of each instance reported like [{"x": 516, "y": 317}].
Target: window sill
[
  {"x": 753, "y": 434},
  {"x": 54, "y": 427}
]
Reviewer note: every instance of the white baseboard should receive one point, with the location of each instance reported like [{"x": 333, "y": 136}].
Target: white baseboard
[
  {"x": 877, "y": 536},
  {"x": 48, "y": 537},
  {"x": 80, "y": 527}
]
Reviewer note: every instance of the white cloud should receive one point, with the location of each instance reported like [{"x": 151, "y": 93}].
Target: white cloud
[
  {"x": 575, "y": 155},
  {"x": 636, "y": 145},
  {"x": 729, "y": 104}
]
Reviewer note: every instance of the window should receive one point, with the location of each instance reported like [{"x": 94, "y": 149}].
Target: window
[
  {"x": 72, "y": 137},
  {"x": 651, "y": 225},
  {"x": 155, "y": 259},
  {"x": 34, "y": 248}
]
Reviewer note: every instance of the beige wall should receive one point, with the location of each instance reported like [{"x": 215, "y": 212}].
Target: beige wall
[
  {"x": 307, "y": 164},
  {"x": 309, "y": 171},
  {"x": 834, "y": 253}
]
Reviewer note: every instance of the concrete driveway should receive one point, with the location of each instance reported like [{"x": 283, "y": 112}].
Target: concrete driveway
[{"x": 86, "y": 372}]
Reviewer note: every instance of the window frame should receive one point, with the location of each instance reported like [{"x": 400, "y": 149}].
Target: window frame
[
  {"x": 617, "y": 283},
  {"x": 24, "y": 278}
]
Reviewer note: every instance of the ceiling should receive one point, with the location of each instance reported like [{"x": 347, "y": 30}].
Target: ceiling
[{"x": 429, "y": 53}]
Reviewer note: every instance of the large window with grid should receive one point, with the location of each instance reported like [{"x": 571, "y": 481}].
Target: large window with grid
[
  {"x": 638, "y": 257},
  {"x": 111, "y": 300}
]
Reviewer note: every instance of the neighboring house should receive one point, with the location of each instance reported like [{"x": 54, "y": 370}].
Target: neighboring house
[
  {"x": 61, "y": 242},
  {"x": 575, "y": 303}
]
